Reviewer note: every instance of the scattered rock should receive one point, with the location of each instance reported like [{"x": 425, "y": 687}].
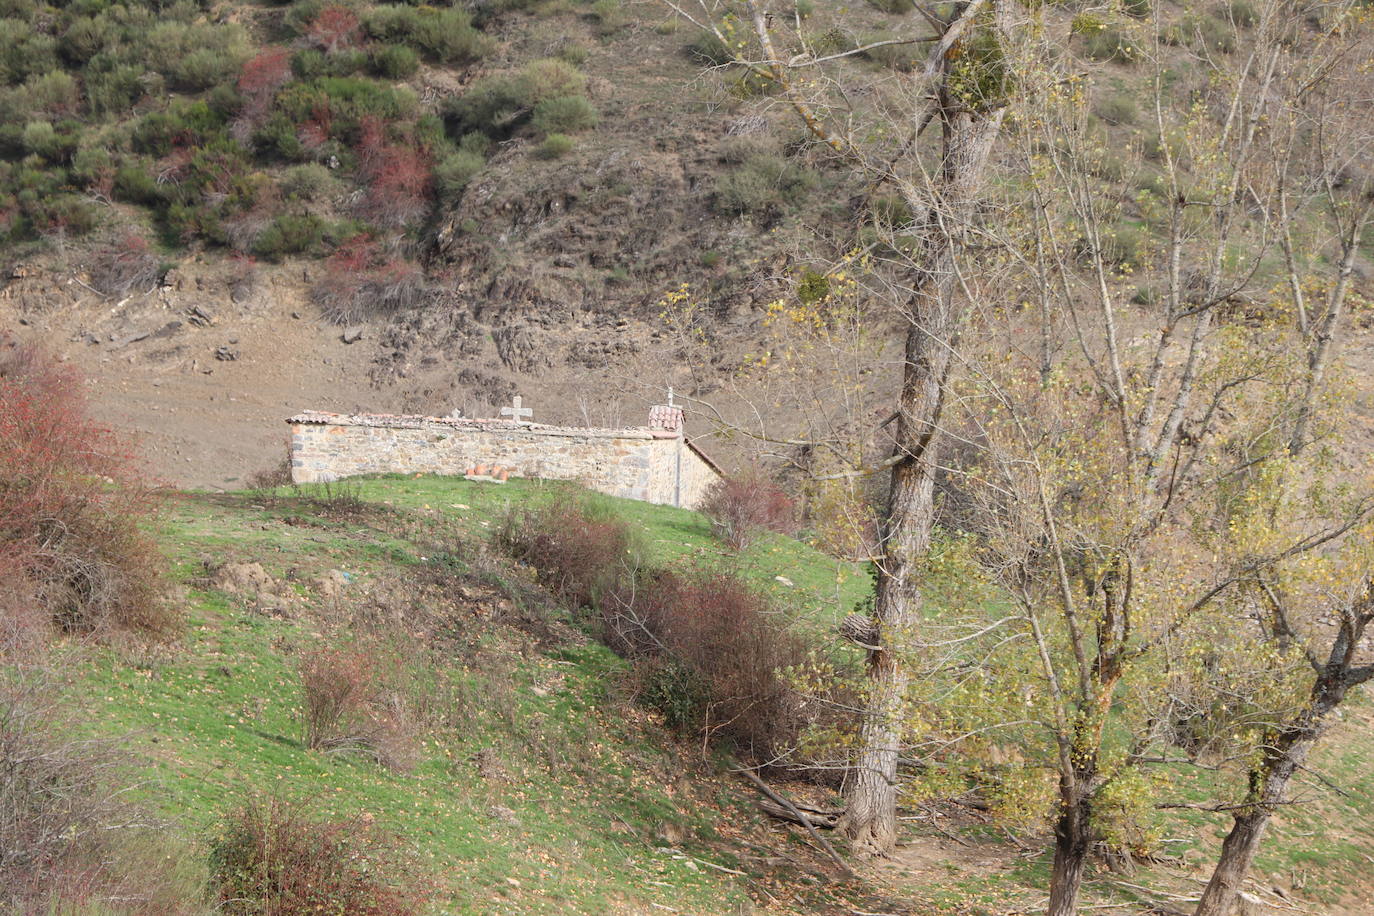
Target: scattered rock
[
  {"x": 199, "y": 317},
  {"x": 130, "y": 338},
  {"x": 353, "y": 334},
  {"x": 226, "y": 355}
]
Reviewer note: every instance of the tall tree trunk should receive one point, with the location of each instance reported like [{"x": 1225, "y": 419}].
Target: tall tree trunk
[
  {"x": 870, "y": 820},
  {"x": 1072, "y": 841},
  {"x": 1268, "y": 784}
]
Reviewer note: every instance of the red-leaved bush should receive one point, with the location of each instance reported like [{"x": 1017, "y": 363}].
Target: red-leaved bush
[
  {"x": 398, "y": 178},
  {"x": 72, "y": 554},
  {"x": 361, "y": 279},
  {"x": 712, "y": 651},
  {"x": 742, "y": 507},
  {"x": 259, "y": 80},
  {"x": 353, "y": 701},
  {"x": 708, "y": 649},
  {"x": 335, "y": 28},
  {"x": 266, "y": 72},
  {"x": 274, "y": 859}
]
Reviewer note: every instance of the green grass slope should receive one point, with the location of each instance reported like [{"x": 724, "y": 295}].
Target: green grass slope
[
  {"x": 541, "y": 787},
  {"x": 544, "y": 791}
]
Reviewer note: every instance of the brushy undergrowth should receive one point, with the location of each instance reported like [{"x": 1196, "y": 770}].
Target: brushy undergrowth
[
  {"x": 73, "y": 556},
  {"x": 743, "y": 507},
  {"x": 273, "y": 858},
  {"x": 69, "y": 839},
  {"x": 711, "y": 651}
]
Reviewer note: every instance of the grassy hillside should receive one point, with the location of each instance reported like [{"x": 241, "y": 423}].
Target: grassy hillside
[
  {"x": 540, "y": 786},
  {"x": 545, "y": 789}
]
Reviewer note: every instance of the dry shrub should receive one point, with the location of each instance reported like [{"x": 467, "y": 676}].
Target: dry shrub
[
  {"x": 271, "y": 858},
  {"x": 264, "y": 482},
  {"x": 579, "y": 550},
  {"x": 361, "y": 279},
  {"x": 70, "y": 510},
  {"x": 123, "y": 266},
  {"x": 355, "y": 701},
  {"x": 711, "y": 651},
  {"x": 742, "y": 507},
  {"x": 68, "y": 840}
]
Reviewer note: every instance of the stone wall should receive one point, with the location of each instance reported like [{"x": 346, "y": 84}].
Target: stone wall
[{"x": 631, "y": 463}]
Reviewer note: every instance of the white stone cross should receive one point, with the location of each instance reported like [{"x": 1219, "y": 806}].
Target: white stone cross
[{"x": 516, "y": 412}]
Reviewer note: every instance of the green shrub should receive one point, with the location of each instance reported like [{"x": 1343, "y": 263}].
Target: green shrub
[
  {"x": 1205, "y": 32},
  {"x": 1107, "y": 164},
  {"x": 395, "y": 61},
  {"x": 204, "y": 68},
  {"x": 574, "y": 53},
  {"x": 24, "y": 53},
  {"x": 134, "y": 184},
  {"x": 1136, "y": 9},
  {"x": 391, "y": 23},
  {"x": 309, "y": 64},
  {"x": 113, "y": 91},
  {"x": 310, "y": 181},
  {"x": 455, "y": 171},
  {"x": 91, "y": 164},
  {"x": 1110, "y": 45},
  {"x": 894, "y": 7},
  {"x": 564, "y": 114},
  {"x": 1242, "y": 13},
  {"x": 53, "y": 93},
  {"x": 40, "y": 138},
  {"x": 1125, "y": 245},
  {"x": 279, "y": 135},
  {"x": 1116, "y": 108},
  {"x": 548, "y": 78},
  {"x": 709, "y": 50},
  {"x": 903, "y": 58},
  {"x": 891, "y": 210},
  {"x": 84, "y": 39},
  {"x": 763, "y": 185},
  {"x": 609, "y": 16},
  {"x": 449, "y": 36},
  {"x": 496, "y": 105},
  {"x": 290, "y": 233},
  {"x": 678, "y": 693},
  {"x": 346, "y": 61},
  {"x": 1215, "y": 34},
  {"x": 555, "y": 146}
]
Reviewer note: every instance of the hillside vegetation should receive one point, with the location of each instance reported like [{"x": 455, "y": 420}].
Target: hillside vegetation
[{"x": 536, "y": 782}]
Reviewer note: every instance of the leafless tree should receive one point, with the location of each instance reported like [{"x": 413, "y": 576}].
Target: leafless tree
[{"x": 960, "y": 94}]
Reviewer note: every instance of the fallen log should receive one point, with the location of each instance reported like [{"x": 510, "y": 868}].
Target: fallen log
[
  {"x": 782, "y": 800},
  {"x": 803, "y": 817}
]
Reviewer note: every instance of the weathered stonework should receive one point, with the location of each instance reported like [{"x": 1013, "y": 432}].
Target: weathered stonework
[{"x": 656, "y": 465}]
